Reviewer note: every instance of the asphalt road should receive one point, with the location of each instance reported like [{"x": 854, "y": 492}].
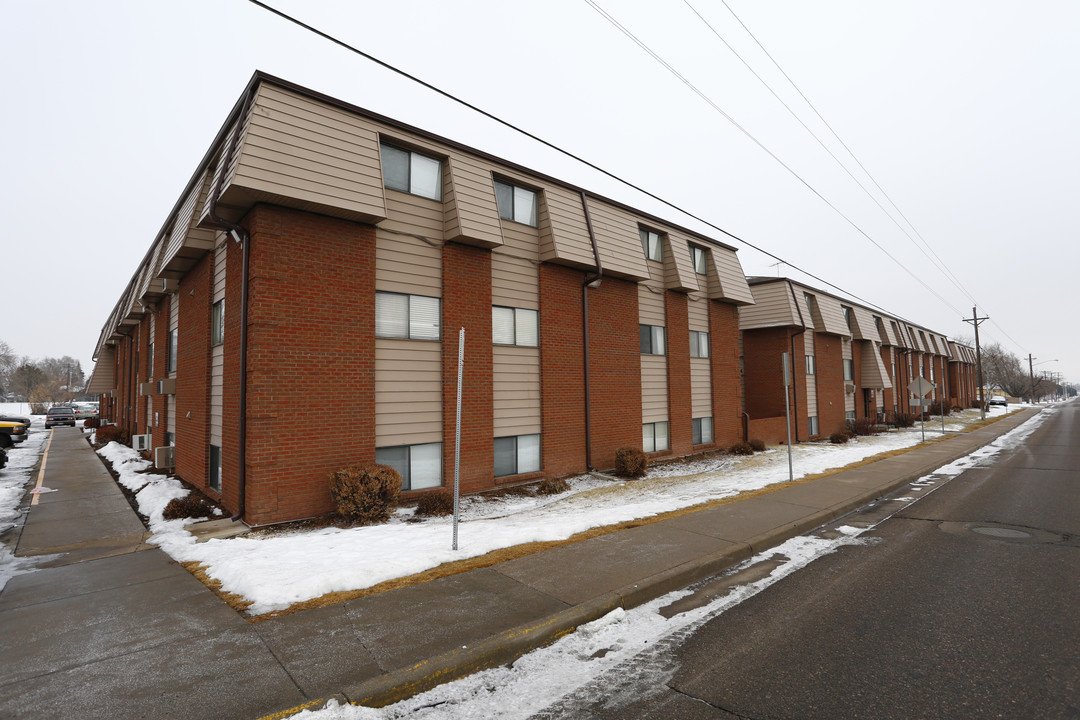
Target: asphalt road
[{"x": 964, "y": 605}]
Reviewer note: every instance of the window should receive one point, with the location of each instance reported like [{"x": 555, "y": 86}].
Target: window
[
  {"x": 514, "y": 326},
  {"x": 847, "y": 316},
  {"x": 150, "y": 361},
  {"x": 170, "y": 439},
  {"x": 420, "y": 466},
  {"x": 217, "y": 323},
  {"x": 654, "y": 437},
  {"x": 699, "y": 344},
  {"x": 697, "y": 257},
  {"x": 849, "y": 370},
  {"x": 811, "y": 365},
  {"x": 411, "y": 172},
  {"x": 516, "y": 203},
  {"x": 811, "y": 303},
  {"x": 516, "y": 455},
  {"x": 170, "y": 358},
  {"x": 650, "y": 243},
  {"x": 652, "y": 339},
  {"x": 813, "y": 424},
  {"x": 850, "y": 416},
  {"x": 215, "y": 468},
  {"x": 702, "y": 430},
  {"x": 414, "y": 317}
]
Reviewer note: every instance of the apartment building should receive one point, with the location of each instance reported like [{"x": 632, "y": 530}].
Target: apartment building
[
  {"x": 301, "y": 306},
  {"x": 848, "y": 361}
]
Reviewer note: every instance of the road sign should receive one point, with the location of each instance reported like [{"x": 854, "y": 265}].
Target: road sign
[{"x": 921, "y": 387}]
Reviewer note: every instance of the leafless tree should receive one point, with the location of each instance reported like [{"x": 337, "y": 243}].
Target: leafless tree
[{"x": 1003, "y": 370}]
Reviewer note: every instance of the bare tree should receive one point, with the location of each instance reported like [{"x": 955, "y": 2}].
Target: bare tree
[
  {"x": 1003, "y": 370},
  {"x": 8, "y": 363}
]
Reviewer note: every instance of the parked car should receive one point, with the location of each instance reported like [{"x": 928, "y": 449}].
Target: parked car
[
  {"x": 84, "y": 410},
  {"x": 999, "y": 400},
  {"x": 3, "y": 458},
  {"x": 59, "y": 416},
  {"x": 15, "y": 418},
  {"x": 11, "y": 433}
]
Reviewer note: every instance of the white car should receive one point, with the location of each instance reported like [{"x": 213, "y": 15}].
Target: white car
[
  {"x": 999, "y": 400},
  {"x": 85, "y": 410}
]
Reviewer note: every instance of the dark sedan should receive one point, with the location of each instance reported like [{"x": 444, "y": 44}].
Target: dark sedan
[{"x": 59, "y": 416}]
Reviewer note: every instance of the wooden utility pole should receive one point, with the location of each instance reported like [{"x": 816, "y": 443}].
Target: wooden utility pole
[{"x": 976, "y": 320}]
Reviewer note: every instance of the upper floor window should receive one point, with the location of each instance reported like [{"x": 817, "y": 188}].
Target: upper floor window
[
  {"x": 697, "y": 257},
  {"x": 170, "y": 358},
  {"x": 150, "y": 360},
  {"x": 849, "y": 369},
  {"x": 217, "y": 323},
  {"x": 516, "y": 203},
  {"x": 415, "y": 317},
  {"x": 514, "y": 326},
  {"x": 699, "y": 344},
  {"x": 411, "y": 172},
  {"x": 652, "y": 339},
  {"x": 847, "y": 316},
  {"x": 650, "y": 243},
  {"x": 811, "y": 365}
]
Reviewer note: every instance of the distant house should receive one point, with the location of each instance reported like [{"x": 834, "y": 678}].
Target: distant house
[{"x": 300, "y": 309}]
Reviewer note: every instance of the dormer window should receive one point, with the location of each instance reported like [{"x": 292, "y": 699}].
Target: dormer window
[
  {"x": 697, "y": 257},
  {"x": 650, "y": 243},
  {"x": 516, "y": 203},
  {"x": 411, "y": 172}
]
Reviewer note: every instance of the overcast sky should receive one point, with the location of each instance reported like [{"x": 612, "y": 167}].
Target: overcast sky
[{"x": 966, "y": 113}]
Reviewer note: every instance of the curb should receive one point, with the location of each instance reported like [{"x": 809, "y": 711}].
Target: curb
[{"x": 509, "y": 645}]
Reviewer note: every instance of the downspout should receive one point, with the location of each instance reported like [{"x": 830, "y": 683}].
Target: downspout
[
  {"x": 794, "y": 385},
  {"x": 240, "y": 235},
  {"x": 592, "y": 280}
]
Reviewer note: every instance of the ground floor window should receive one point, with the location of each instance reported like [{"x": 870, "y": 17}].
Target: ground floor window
[
  {"x": 420, "y": 466},
  {"x": 517, "y": 454},
  {"x": 654, "y": 437},
  {"x": 170, "y": 439},
  {"x": 850, "y": 415},
  {"x": 813, "y": 425},
  {"x": 215, "y": 468},
  {"x": 702, "y": 430}
]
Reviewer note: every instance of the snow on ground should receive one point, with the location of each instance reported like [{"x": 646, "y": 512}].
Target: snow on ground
[
  {"x": 274, "y": 572},
  {"x": 624, "y": 651},
  {"x": 14, "y": 477}
]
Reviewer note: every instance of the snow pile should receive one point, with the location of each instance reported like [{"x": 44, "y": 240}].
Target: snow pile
[
  {"x": 275, "y": 572},
  {"x": 14, "y": 477}
]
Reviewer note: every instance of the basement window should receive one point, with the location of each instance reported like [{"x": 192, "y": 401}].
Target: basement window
[
  {"x": 516, "y": 455},
  {"x": 420, "y": 466},
  {"x": 702, "y": 430},
  {"x": 215, "y": 468},
  {"x": 654, "y": 437}
]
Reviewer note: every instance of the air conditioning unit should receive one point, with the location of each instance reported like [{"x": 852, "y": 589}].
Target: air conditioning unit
[
  {"x": 146, "y": 388},
  {"x": 140, "y": 442},
  {"x": 166, "y": 386},
  {"x": 165, "y": 456},
  {"x": 168, "y": 285},
  {"x": 849, "y": 388}
]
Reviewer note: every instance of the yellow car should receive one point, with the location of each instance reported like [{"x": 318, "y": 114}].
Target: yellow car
[{"x": 12, "y": 432}]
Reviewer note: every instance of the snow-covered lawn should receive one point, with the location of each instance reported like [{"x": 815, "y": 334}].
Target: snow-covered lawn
[
  {"x": 14, "y": 477},
  {"x": 274, "y": 572}
]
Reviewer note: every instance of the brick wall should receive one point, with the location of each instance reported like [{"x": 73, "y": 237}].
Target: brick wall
[
  {"x": 193, "y": 373},
  {"x": 615, "y": 368},
  {"x": 726, "y": 379},
  {"x": 763, "y": 380},
  {"x": 467, "y": 303},
  {"x": 562, "y": 375},
  {"x": 830, "y": 383},
  {"x": 230, "y": 377},
  {"x": 311, "y": 358}
]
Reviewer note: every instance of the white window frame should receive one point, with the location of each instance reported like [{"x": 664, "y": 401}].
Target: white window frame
[
  {"x": 217, "y": 323},
  {"x": 415, "y": 159},
  {"x": 170, "y": 359},
  {"x": 648, "y": 436},
  {"x": 412, "y": 329},
  {"x": 524, "y": 203},
  {"x": 407, "y": 480},
  {"x": 524, "y": 326},
  {"x": 651, "y": 338},
  {"x": 214, "y": 481},
  {"x": 699, "y": 259},
  {"x": 812, "y": 423},
  {"x": 652, "y": 244},
  {"x": 527, "y": 455},
  {"x": 811, "y": 365},
  {"x": 699, "y": 344},
  {"x": 849, "y": 370},
  {"x": 702, "y": 430}
]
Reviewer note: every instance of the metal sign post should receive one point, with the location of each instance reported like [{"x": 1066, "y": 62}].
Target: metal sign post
[
  {"x": 786, "y": 361},
  {"x": 457, "y": 431},
  {"x": 920, "y": 387}
]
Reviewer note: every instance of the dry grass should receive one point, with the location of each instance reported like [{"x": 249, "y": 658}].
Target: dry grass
[{"x": 518, "y": 551}]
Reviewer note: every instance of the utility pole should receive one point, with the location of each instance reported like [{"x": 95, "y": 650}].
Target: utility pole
[
  {"x": 1031, "y": 374},
  {"x": 976, "y": 320}
]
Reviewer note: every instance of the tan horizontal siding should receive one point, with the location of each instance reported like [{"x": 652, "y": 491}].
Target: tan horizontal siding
[
  {"x": 831, "y": 315},
  {"x": 874, "y": 374},
  {"x": 413, "y": 214},
  {"x": 471, "y": 211},
  {"x": 516, "y": 390},
  {"x": 407, "y": 265},
  {"x": 697, "y": 310},
  {"x": 773, "y": 307},
  {"x": 700, "y": 387},
  {"x": 678, "y": 267},
  {"x": 564, "y": 235},
  {"x": 654, "y": 395},
  {"x": 217, "y": 367},
  {"x": 866, "y": 327},
  {"x": 408, "y": 392},
  {"x": 619, "y": 239},
  {"x": 515, "y": 282},
  {"x": 651, "y": 304},
  {"x": 729, "y": 275}
]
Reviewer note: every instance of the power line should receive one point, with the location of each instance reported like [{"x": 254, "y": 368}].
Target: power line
[
  {"x": 935, "y": 260},
  {"x": 603, "y": 13}
]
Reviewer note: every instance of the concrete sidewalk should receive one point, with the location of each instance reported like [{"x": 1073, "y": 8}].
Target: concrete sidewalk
[{"x": 116, "y": 630}]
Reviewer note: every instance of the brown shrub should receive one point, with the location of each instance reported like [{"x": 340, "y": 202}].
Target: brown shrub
[
  {"x": 365, "y": 493},
  {"x": 91, "y": 423},
  {"x": 741, "y": 448},
  {"x": 757, "y": 445},
  {"x": 901, "y": 420},
  {"x": 110, "y": 433},
  {"x": 552, "y": 486},
  {"x": 630, "y": 462},
  {"x": 838, "y": 438},
  {"x": 437, "y": 503},
  {"x": 190, "y": 506},
  {"x": 863, "y": 426}
]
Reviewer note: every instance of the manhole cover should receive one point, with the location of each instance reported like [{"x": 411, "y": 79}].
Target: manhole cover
[{"x": 1001, "y": 532}]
